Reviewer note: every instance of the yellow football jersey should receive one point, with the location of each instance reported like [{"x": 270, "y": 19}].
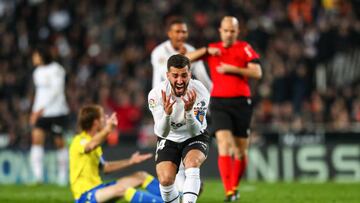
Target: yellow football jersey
[{"x": 84, "y": 167}]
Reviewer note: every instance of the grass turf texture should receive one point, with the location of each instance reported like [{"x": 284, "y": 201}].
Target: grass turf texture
[{"x": 213, "y": 192}]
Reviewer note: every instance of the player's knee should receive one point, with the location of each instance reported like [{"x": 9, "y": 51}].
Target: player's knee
[
  {"x": 224, "y": 143},
  {"x": 37, "y": 136},
  {"x": 166, "y": 179},
  {"x": 193, "y": 163},
  {"x": 141, "y": 174},
  {"x": 119, "y": 191}
]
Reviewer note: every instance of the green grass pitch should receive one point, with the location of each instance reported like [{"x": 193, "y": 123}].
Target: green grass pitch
[{"x": 213, "y": 192}]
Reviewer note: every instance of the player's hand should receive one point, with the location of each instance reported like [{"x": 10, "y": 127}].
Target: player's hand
[
  {"x": 35, "y": 116},
  {"x": 137, "y": 157},
  {"x": 182, "y": 50},
  {"x": 213, "y": 51},
  {"x": 189, "y": 102},
  {"x": 111, "y": 122},
  {"x": 226, "y": 68},
  {"x": 168, "y": 105}
]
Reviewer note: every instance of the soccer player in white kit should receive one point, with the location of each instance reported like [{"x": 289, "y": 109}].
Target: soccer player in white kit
[
  {"x": 177, "y": 33},
  {"x": 179, "y": 105},
  {"x": 49, "y": 113}
]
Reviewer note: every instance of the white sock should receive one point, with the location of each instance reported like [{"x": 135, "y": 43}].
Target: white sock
[
  {"x": 36, "y": 161},
  {"x": 191, "y": 185},
  {"x": 180, "y": 178},
  {"x": 62, "y": 159},
  {"x": 169, "y": 194}
]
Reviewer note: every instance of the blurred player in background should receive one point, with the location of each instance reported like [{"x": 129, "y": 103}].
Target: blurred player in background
[
  {"x": 49, "y": 113},
  {"x": 86, "y": 160},
  {"x": 177, "y": 33},
  {"x": 179, "y": 105},
  {"x": 232, "y": 63}
]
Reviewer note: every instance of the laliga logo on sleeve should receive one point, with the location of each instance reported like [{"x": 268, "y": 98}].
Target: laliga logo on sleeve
[{"x": 152, "y": 103}]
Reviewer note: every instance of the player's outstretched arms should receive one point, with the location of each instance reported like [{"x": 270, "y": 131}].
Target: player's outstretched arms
[
  {"x": 197, "y": 54},
  {"x": 99, "y": 138},
  {"x": 135, "y": 158},
  {"x": 138, "y": 158}
]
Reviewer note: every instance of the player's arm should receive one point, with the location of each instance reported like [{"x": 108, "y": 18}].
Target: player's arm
[
  {"x": 161, "y": 112},
  {"x": 101, "y": 136},
  {"x": 253, "y": 69},
  {"x": 197, "y": 54},
  {"x": 110, "y": 166}
]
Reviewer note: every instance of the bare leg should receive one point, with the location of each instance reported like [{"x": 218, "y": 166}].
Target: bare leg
[
  {"x": 225, "y": 142},
  {"x": 166, "y": 172},
  {"x": 118, "y": 190}
]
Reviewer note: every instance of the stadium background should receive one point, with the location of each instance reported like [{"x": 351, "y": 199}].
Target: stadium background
[{"x": 307, "y": 113}]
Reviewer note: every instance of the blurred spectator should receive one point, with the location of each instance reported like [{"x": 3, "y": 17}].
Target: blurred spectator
[{"x": 129, "y": 115}]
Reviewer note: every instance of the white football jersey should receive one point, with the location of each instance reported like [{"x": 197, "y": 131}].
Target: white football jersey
[
  {"x": 162, "y": 53},
  {"x": 49, "y": 83},
  {"x": 180, "y": 125}
]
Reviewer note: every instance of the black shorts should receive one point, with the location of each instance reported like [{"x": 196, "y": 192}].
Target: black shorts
[
  {"x": 53, "y": 125},
  {"x": 167, "y": 150},
  {"x": 231, "y": 114}
]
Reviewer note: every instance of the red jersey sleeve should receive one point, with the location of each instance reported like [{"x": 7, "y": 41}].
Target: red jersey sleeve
[{"x": 250, "y": 53}]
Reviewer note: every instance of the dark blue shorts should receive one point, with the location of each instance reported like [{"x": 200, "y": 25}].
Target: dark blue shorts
[{"x": 89, "y": 196}]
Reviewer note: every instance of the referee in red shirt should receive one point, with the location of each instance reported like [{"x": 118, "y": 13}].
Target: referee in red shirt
[{"x": 232, "y": 63}]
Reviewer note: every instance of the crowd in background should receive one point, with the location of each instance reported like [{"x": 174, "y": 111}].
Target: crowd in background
[{"x": 105, "y": 48}]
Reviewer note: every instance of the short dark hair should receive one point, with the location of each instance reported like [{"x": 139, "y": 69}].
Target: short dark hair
[
  {"x": 178, "y": 61},
  {"x": 45, "y": 53},
  {"x": 87, "y": 115},
  {"x": 174, "y": 20}
]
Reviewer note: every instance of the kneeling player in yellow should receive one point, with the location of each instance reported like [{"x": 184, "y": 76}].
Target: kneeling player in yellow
[{"x": 86, "y": 157}]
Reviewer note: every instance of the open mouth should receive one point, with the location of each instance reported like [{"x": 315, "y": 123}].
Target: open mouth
[{"x": 179, "y": 89}]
